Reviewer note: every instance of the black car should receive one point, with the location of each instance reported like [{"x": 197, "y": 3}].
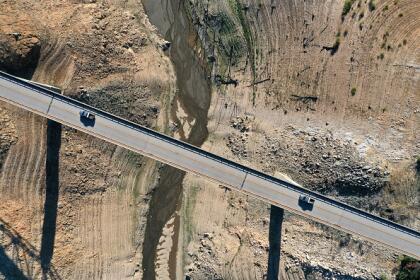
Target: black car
[
  {"x": 307, "y": 199},
  {"x": 87, "y": 115}
]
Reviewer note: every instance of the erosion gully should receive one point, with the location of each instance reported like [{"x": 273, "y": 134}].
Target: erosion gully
[{"x": 193, "y": 96}]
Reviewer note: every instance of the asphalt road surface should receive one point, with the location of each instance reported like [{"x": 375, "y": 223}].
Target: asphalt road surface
[{"x": 49, "y": 104}]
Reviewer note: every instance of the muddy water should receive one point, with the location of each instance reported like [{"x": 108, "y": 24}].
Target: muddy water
[{"x": 193, "y": 100}]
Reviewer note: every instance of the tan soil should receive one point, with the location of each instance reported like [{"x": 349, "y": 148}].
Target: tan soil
[
  {"x": 107, "y": 53},
  {"x": 98, "y": 49},
  {"x": 301, "y": 119}
]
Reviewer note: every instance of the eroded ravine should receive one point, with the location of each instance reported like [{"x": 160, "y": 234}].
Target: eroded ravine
[{"x": 189, "y": 112}]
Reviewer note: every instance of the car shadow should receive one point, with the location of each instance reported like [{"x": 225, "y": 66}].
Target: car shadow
[
  {"x": 87, "y": 122},
  {"x": 305, "y": 206},
  {"x": 51, "y": 195}
]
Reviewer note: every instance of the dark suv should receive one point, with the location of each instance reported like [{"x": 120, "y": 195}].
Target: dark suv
[
  {"x": 87, "y": 115},
  {"x": 307, "y": 199}
]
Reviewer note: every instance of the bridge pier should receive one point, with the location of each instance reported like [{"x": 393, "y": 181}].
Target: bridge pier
[{"x": 274, "y": 239}]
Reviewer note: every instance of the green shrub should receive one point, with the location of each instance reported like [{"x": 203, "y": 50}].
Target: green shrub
[
  {"x": 383, "y": 277},
  {"x": 231, "y": 42},
  {"x": 227, "y": 26},
  {"x": 381, "y": 56},
  {"x": 371, "y": 5},
  {"x": 385, "y": 8},
  {"x": 336, "y": 43},
  {"x": 353, "y": 91},
  {"x": 347, "y": 7},
  {"x": 409, "y": 269}
]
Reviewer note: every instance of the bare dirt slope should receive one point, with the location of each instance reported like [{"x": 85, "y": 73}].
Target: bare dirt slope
[
  {"x": 91, "y": 222},
  {"x": 326, "y": 95}
]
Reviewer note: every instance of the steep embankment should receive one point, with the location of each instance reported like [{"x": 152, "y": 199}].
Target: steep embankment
[
  {"x": 324, "y": 93},
  {"x": 105, "y": 54}
]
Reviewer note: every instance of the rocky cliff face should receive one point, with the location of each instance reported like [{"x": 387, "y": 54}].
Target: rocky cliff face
[{"x": 19, "y": 53}]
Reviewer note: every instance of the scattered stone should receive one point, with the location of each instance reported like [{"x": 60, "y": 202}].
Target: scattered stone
[{"x": 165, "y": 45}]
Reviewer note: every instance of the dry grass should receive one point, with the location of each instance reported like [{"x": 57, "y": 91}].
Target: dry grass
[
  {"x": 402, "y": 194},
  {"x": 404, "y": 187}
]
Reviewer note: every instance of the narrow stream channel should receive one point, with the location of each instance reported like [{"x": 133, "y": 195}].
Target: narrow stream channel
[{"x": 193, "y": 98}]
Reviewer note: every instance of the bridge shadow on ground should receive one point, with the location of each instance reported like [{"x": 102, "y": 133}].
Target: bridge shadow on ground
[
  {"x": 22, "y": 258},
  {"x": 51, "y": 195},
  {"x": 8, "y": 268},
  {"x": 274, "y": 239},
  {"x": 18, "y": 257}
]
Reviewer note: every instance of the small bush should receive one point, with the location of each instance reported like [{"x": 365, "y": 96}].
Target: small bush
[
  {"x": 353, "y": 91},
  {"x": 336, "y": 43},
  {"x": 347, "y": 7},
  {"x": 418, "y": 164},
  {"x": 385, "y": 8},
  {"x": 409, "y": 269},
  {"x": 381, "y": 56},
  {"x": 383, "y": 277},
  {"x": 404, "y": 42},
  {"x": 372, "y": 5},
  {"x": 344, "y": 240},
  {"x": 400, "y": 15},
  {"x": 345, "y": 33}
]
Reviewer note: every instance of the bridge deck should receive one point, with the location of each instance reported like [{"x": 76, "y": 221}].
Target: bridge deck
[{"x": 65, "y": 110}]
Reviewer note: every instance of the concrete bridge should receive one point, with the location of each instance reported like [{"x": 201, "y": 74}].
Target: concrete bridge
[{"x": 43, "y": 101}]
